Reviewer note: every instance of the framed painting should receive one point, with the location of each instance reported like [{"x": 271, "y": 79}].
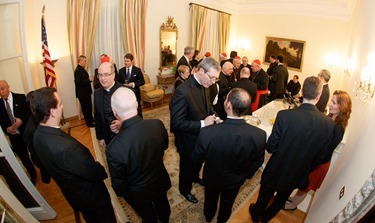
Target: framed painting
[{"x": 291, "y": 50}]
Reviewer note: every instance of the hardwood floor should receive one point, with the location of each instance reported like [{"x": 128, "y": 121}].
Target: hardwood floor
[{"x": 78, "y": 130}]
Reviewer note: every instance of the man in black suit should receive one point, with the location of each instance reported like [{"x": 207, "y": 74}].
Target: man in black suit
[
  {"x": 191, "y": 110},
  {"x": 69, "y": 163},
  {"x": 82, "y": 82},
  {"x": 232, "y": 151},
  {"x": 224, "y": 88},
  {"x": 106, "y": 125},
  {"x": 247, "y": 85},
  {"x": 135, "y": 160},
  {"x": 324, "y": 75},
  {"x": 298, "y": 142},
  {"x": 279, "y": 79},
  {"x": 132, "y": 77},
  {"x": 14, "y": 114},
  {"x": 260, "y": 78},
  {"x": 185, "y": 59}
]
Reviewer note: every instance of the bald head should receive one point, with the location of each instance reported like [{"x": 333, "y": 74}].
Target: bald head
[
  {"x": 4, "y": 89},
  {"x": 245, "y": 72},
  {"x": 227, "y": 68},
  {"x": 124, "y": 103}
]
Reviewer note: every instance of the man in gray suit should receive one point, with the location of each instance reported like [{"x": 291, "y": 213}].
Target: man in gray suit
[{"x": 297, "y": 143}]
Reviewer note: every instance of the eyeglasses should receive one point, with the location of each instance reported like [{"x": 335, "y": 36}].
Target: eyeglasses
[
  {"x": 104, "y": 75},
  {"x": 212, "y": 78}
]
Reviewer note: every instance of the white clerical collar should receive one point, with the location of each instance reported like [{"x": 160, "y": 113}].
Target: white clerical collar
[{"x": 109, "y": 89}]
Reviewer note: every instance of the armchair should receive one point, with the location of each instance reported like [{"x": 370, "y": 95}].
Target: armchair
[{"x": 150, "y": 92}]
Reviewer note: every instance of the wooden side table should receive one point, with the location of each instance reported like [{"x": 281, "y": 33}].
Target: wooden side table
[{"x": 165, "y": 79}]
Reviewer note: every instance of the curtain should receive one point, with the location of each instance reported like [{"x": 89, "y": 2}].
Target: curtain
[
  {"x": 133, "y": 28},
  {"x": 198, "y": 18},
  {"x": 82, "y": 25},
  {"x": 224, "y": 26},
  {"x": 209, "y": 30},
  {"x": 108, "y": 34}
]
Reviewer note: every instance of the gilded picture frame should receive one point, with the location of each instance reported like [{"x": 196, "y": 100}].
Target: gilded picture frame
[{"x": 292, "y": 51}]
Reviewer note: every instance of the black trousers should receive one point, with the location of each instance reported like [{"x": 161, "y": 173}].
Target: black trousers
[
  {"x": 227, "y": 197},
  {"x": 86, "y": 106},
  {"x": 104, "y": 213},
  {"x": 151, "y": 212},
  {"x": 189, "y": 171},
  {"x": 264, "y": 213},
  {"x": 20, "y": 148}
]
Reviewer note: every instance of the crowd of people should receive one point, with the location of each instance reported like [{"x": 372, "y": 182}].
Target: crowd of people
[{"x": 207, "y": 106}]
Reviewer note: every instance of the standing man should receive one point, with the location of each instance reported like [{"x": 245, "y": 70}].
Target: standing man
[
  {"x": 245, "y": 83},
  {"x": 236, "y": 69},
  {"x": 260, "y": 78},
  {"x": 132, "y": 77},
  {"x": 106, "y": 125},
  {"x": 135, "y": 160},
  {"x": 14, "y": 113},
  {"x": 82, "y": 81},
  {"x": 233, "y": 152},
  {"x": 298, "y": 142},
  {"x": 224, "y": 88},
  {"x": 191, "y": 110},
  {"x": 69, "y": 163},
  {"x": 279, "y": 79},
  {"x": 185, "y": 59},
  {"x": 324, "y": 75},
  {"x": 273, "y": 64}
]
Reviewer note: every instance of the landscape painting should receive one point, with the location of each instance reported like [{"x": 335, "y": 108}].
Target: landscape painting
[{"x": 291, "y": 50}]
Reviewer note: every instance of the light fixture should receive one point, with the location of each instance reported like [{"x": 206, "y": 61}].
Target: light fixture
[
  {"x": 366, "y": 87},
  {"x": 349, "y": 66}
]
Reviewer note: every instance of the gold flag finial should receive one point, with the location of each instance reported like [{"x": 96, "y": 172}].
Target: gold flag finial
[{"x": 44, "y": 7}]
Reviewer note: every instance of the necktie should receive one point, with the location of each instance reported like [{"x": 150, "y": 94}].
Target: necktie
[
  {"x": 128, "y": 74},
  {"x": 9, "y": 111}
]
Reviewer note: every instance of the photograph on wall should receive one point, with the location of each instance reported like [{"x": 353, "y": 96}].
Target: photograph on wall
[{"x": 291, "y": 50}]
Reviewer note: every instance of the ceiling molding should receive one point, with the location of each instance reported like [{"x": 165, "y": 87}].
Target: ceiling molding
[{"x": 337, "y": 9}]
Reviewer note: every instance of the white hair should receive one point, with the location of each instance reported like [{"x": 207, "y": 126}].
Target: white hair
[{"x": 124, "y": 103}]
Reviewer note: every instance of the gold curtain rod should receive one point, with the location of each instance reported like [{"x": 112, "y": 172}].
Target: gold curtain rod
[{"x": 208, "y": 8}]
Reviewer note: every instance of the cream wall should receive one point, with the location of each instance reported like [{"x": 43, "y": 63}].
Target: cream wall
[{"x": 356, "y": 163}]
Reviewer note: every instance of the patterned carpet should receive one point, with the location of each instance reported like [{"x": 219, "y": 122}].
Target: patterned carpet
[{"x": 182, "y": 210}]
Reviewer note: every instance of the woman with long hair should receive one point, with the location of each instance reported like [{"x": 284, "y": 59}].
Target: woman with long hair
[{"x": 340, "y": 108}]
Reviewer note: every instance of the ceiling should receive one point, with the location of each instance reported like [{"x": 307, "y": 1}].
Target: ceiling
[{"x": 339, "y": 9}]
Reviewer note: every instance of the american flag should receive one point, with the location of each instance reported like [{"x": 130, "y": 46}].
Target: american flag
[{"x": 47, "y": 62}]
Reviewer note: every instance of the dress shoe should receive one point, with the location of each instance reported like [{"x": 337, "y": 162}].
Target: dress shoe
[
  {"x": 287, "y": 208},
  {"x": 199, "y": 181},
  {"x": 190, "y": 197}
]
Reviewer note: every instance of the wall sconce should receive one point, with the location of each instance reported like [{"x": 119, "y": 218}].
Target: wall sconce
[
  {"x": 366, "y": 87},
  {"x": 349, "y": 66},
  {"x": 244, "y": 45},
  {"x": 331, "y": 60}
]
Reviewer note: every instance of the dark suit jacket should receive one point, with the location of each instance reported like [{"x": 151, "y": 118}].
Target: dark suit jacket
[
  {"x": 182, "y": 61},
  {"x": 82, "y": 83},
  {"x": 322, "y": 103},
  {"x": 293, "y": 88},
  {"x": 298, "y": 142},
  {"x": 232, "y": 150},
  {"x": 101, "y": 129},
  {"x": 278, "y": 81},
  {"x": 187, "y": 109},
  {"x": 136, "y": 76},
  {"x": 260, "y": 79},
  {"x": 72, "y": 166},
  {"x": 250, "y": 87},
  {"x": 20, "y": 110},
  {"x": 224, "y": 88},
  {"x": 135, "y": 160}
]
